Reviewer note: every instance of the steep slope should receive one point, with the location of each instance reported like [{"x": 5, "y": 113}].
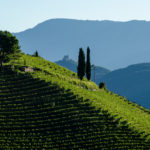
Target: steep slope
[
  {"x": 47, "y": 107},
  {"x": 72, "y": 65},
  {"x": 113, "y": 44},
  {"x": 132, "y": 82}
]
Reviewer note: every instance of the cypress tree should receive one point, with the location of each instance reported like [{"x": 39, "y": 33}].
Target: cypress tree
[
  {"x": 81, "y": 64},
  {"x": 88, "y": 65},
  {"x": 36, "y": 54}
]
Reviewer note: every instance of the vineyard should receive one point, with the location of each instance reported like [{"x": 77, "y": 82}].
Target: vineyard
[{"x": 49, "y": 108}]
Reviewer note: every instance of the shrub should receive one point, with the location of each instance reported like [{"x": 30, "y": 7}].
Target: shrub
[{"x": 102, "y": 85}]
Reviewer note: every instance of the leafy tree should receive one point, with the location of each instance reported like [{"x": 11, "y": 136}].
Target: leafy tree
[
  {"x": 88, "y": 65},
  {"x": 8, "y": 45},
  {"x": 81, "y": 64}
]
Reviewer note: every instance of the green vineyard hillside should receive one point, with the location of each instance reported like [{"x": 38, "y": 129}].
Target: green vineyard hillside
[{"x": 45, "y": 106}]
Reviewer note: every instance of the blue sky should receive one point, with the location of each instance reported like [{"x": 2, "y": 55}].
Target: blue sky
[{"x": 18, "y": 15}]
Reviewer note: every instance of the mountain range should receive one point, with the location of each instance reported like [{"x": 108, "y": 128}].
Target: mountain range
[
  {"x": 133, "y": 82},
  {"x": 113, "y": 44}
]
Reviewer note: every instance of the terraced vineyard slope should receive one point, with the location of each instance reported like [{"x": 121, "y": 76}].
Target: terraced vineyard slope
[{"x": 47, "y": 107}]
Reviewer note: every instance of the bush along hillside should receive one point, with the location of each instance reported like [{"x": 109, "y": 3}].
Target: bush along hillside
[{"x": 45, "y": 106}]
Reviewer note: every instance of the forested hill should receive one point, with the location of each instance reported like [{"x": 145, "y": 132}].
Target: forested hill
[
  {"x": 45, "y": 106},
  {"x": 113, "y": 44}
]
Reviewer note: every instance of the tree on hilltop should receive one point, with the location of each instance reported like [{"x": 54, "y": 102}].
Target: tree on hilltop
[
  {"x": 88, "y": 65},
  {"x": 36, "y": 54},
  {"x": 81, "y": 64},
  {"x": 8, "y": 45}
]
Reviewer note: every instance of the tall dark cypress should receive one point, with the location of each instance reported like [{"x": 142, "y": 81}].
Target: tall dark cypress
[
  {"x": 36, "y": 53},
  {"x": 81, "y": 64},
  {"x": 88, "y": 65}
]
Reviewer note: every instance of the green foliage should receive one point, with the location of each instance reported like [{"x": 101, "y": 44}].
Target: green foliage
[
  {"x": 102, "y": 85},
  {"x": 81, "y": 64},
  {"x": 25, "y": 63},
  {"x": 8, "y": 45},
  {"x": 88, "y": 65},
  {"x": 51, "y": 108}
]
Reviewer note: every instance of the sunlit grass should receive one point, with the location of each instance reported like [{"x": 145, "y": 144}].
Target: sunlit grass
[{"x": 136, "y": 116}]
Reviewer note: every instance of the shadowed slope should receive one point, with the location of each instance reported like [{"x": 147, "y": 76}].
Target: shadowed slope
[
  {"x": 36, "y": 114},
  {"x": 50, "y": 108}
]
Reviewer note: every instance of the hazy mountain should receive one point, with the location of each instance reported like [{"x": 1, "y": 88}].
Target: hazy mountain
[
  {"x": 113, "y": 44},
  {"x": 72, "y": 65},
  {"x": 68, "y": 63},
  {"x": 132, "y": 82}
]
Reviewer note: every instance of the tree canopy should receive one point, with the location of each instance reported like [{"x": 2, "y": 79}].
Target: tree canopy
[{"x": 9, "y": 44}]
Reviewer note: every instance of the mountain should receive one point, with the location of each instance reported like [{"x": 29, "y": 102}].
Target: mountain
[
  {"x": 70, "y": 64},
  {"x": 113, "y": 44},
  {"x": 45, "y": 106},
  {"x": 132, "y": 82}
]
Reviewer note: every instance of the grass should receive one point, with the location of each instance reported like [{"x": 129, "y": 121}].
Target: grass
[{"x": 101, "y": 119}]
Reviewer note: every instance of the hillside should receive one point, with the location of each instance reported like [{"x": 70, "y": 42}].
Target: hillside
[
  {"x": 132, "y": 82},
  {"x": 45, "y": 106},
  {"x": 72, "y": 65},
  {"x": 113, "y": 44}
]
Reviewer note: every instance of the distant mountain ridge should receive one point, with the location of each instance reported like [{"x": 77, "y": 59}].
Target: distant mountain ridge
[
  {"x": 133, "y": 82},
  {"x": 68, "y": 63},
  {"x": 113, "y": 44},
  {"x": 72, "y": 65}
]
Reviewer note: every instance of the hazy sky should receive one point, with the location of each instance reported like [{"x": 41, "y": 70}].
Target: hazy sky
[{"x": 18, "y": 15}]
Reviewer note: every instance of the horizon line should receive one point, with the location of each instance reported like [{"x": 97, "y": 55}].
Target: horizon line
[{"x": 119, "y": 21}]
